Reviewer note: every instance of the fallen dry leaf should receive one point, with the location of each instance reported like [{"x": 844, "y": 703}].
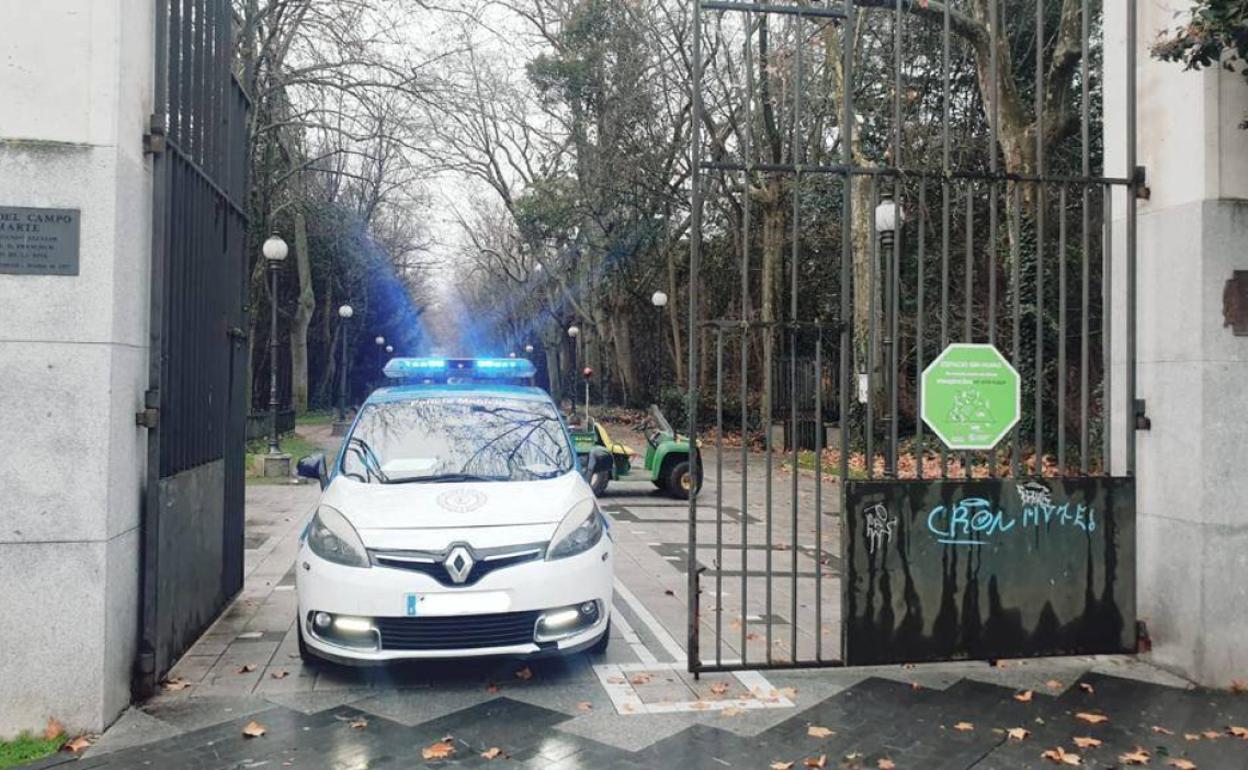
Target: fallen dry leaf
[
  {"x": 1018, "y": 733},
  {"x": 1238, "y": 732},
  {"x": 1191, "y": 736},
  {"x": 640, "y": 679},
  {"x": 439, "y": 750},
  {"x": 1089, "y": 689},
  {"x": 781, "y": 766},
  {"x": 885, "y": 764},
  {"x": 1054, "y": 684},
  {"x": 1060, "y": 756},
  {"x": 916, "y": 686},
  {"x": 493, "y": 753},
  {"x": 177, "y": 684},
  {"x": 247, "y": 668},
  {"x": 492, "y": 689},
  {"x": 54, "y": 729},
  {"x": 76, "y": 745},
  {"x": 358, "y": 724},
  {"x": 1137, "y": 757},
  {"x": 584, "y": 706},
  {"x": 1092, "y": 719},
  {"x": 524, "y": 674},
  {"x": 817, "y": 762},
  {"x": 280, "y": 674},
  {"x": 814, "y": 731},
  {"x": 730, "y": 711},
  {"x": 1086, "y": 741},
  {"x": 719, "y": 688},
  {"x": 1212, "y": 735},
  {"x": 964, "y": 726},
  {"x": 254, "y": 730},
  {"x": 1023, "y": 697},
  {"x": 1239, "y": 686},
  {"x": 1162, "y": 730},
  {"x": 1182, "y": 764}
]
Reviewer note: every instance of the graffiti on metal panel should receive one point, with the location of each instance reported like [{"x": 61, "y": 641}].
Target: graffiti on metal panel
[
  {"x": 879, "y": 527},
  {"x": 975, "y": 521}
]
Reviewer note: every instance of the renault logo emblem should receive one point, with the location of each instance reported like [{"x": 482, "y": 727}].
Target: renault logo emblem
[{"x": 459, "y": 564}]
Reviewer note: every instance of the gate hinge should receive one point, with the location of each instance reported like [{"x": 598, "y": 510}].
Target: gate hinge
[
  {"x": 1142, "y": 422},
  {"x": 1140, "y": 180},
  {"x": 154, "y": 139},
  {"x": 150, "y": 416}
]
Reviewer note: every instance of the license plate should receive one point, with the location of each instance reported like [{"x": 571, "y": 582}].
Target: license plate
[{"x": 469, "y": 603}]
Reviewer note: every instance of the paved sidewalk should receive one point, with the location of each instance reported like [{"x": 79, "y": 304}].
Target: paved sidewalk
[{"x": 634, "y": 706}]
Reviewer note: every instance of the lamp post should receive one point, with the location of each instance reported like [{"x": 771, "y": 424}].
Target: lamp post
[
  {"x": 275, "y": 251},
  {"x": 887, "y": 217},
  {"x": 381, "y": 344},
  {"x": 659, "y": 300},
  {"x": 345, "y": 312},
  {"x": 574, "y": 332}
]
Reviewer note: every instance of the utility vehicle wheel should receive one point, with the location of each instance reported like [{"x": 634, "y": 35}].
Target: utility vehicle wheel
[{"x": 680, "y": 481}]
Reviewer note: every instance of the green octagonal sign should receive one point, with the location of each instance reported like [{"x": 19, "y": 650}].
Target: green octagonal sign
[{"x": 970, "y": 396}]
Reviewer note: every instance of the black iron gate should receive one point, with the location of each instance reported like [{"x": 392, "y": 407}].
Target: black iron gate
[
  {"x": 193, "y": 508},
  {"x": 944, "y": 156}
]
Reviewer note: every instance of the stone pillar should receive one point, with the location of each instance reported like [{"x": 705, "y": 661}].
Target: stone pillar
[
  {"x": 75, "y": 94},
  {"x": 1192, "y": 490}
]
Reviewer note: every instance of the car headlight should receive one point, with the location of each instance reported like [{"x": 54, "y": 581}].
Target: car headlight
[
  {"x": 579, "y": 531},
  {"x": 331, "y": 537}
]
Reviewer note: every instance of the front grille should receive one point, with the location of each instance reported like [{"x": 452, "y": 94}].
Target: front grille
[
  {"x": 433, "y": 563},
  {"x": 460, "y": 632}
]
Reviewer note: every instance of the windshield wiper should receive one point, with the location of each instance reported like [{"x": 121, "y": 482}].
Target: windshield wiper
[{"x": 445, "y": 478}]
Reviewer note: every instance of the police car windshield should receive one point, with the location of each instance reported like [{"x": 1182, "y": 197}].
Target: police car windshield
[{"x": 432, "y": 440}]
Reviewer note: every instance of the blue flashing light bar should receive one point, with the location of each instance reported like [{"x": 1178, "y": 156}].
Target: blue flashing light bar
[{"x": 443, "y": 369}]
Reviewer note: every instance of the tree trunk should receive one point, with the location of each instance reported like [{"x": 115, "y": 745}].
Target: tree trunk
[
  {"x": 673, "y": 315},
  {"x": 304, "y": 311},
  {"x": 623, "y": 344}
]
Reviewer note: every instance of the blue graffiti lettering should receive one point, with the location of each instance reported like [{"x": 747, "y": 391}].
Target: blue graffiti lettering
[{"x": 970, "y": 521}]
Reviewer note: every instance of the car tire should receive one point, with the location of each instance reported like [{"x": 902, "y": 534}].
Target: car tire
[
  {"x": 599, "y": 647},
  {"x": 598, "y": 482},
  {"x": 305, "y": 654},
  {"x": 680, "y": 482}
]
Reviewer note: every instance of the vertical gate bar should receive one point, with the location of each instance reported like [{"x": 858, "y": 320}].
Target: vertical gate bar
[
  {"x": 1084, "y": 242},
  {"x": 918, "y": 335},
  {"x": 1132, "y": 202},
  {"x": 719, "y": 495},
  {"x": 173, "y": 48},
  {"x": 1107, "y": 316},
  {"x": 197, "y": 86},
  {"x": 1016, "y": 257},
  {"x": 994, "y": 118},
  {"x": 818, "y": 496},
  {"x": 748, "y": 142},
  {"x": 692, "y": 652},
  {"x": 968, "y": 458},
  {"x": 1061, "y": 330},
  {"x": 871, "y": 333},
  {"x": 847, "y": 250},
  {"x": 894, "y": 255},
  {"x": 1040, "y": 191},
  {"x": 944, "y": 212},
  {"x": 798, "y": 157}
]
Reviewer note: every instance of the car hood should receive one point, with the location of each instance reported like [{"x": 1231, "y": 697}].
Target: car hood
[{"x": 389, "y": 507}]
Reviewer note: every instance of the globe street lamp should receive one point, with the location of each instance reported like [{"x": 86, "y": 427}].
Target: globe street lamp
[
  {"x": 340, "y": 428},
  {"x": 887, "y": 217},
  {"x": 275, "y": 251},
  {"x": 574, "y": 332}
]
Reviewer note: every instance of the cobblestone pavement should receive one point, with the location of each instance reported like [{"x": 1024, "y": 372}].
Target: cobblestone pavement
[{"x": 635, "y": 706}]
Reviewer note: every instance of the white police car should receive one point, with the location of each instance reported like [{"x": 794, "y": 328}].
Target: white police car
[{"x": 453, "y": 522}]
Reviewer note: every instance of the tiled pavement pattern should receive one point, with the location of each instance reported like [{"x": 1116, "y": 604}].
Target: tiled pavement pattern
[{"x": 576, "y": 712}]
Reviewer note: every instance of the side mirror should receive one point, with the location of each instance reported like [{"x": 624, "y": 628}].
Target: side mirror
[{"x": 312, "y": 467}]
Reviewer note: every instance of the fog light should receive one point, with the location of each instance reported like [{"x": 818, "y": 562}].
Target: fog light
[
  {"x": 352, "y": 625},
  {"x": 322, "y": 620},
  {"x": 561, "y": 619},
  {"x": 566, "y": 621},
  {"x": 589, "y": 608}
]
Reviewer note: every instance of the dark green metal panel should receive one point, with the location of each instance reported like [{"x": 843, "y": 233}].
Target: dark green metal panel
[{"x": 1001, "y": 568}]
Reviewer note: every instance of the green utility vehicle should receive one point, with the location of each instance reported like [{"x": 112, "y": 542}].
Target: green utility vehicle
[{"x": 666, "y": 463}]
